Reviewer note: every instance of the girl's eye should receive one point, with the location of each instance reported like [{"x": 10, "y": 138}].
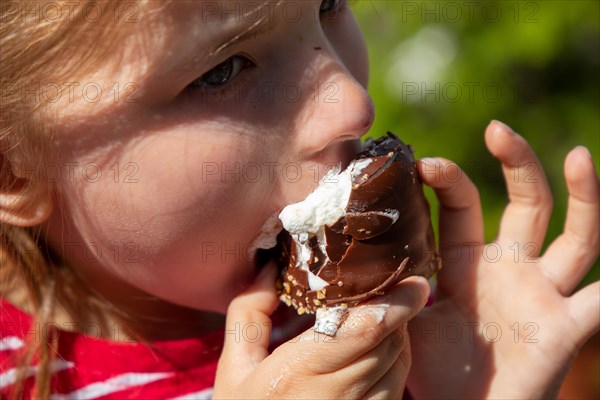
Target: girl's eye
[
  {"x": 329, "y": 5},
  {"x": 222, "y": 73}
]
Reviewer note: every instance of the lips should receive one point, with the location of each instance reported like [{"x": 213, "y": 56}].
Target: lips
[{"x": 359, "y": 233}]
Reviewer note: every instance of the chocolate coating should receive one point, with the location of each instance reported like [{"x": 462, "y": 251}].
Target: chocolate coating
[{"x": 385, "y": 236}]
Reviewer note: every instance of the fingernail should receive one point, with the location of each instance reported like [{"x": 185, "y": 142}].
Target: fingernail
[
  {"x": 430, "y": 161},
  {"x": 421, "y": 281},
  {"x": 502, "y": 125},
  {"x": 585, "y": 149}
]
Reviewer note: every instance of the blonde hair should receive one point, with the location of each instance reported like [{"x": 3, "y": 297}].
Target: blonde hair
[{"x": 32, "y": 36}]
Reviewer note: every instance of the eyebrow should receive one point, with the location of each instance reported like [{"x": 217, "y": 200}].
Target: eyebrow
[{"x": 257, "y": 28}]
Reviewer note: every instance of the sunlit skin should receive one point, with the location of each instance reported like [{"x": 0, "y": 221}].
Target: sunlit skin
[
  {"x": 150, "y": 225},
  {"x": 171, "y": 225},
  {"x": 532, "y": 298}
]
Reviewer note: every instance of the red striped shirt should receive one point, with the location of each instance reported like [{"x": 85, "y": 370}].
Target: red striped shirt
[{"x": 91, "y": 368}]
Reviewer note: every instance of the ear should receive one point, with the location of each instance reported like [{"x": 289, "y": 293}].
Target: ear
[{"x": 25, "y": 198}]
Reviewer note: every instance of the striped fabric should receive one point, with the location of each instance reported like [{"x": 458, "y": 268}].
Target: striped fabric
[{"x": 90, "y": 368}]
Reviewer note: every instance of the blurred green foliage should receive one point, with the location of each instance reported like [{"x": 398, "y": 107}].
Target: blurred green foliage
[{"x": 441, "y": 70}]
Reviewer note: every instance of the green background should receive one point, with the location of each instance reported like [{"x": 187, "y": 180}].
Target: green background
[{"x": 441, "y": 70}]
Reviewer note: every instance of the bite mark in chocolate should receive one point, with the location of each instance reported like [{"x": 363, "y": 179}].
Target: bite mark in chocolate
[{"x": 383, "y": 235}]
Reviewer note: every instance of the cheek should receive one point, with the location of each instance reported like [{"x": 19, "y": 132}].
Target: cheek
[
  {"x": 178, "y": 203},
  {"x": 160, "y": 191},
  {"x": 181, "y": 187}
]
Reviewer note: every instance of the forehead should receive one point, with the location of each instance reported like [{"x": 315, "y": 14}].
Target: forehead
[
  {"x": 223, "y": 14},
  {"x": 209, "y": 25}
]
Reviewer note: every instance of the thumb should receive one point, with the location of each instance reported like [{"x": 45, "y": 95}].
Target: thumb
[{"x": 248, "y": 328}]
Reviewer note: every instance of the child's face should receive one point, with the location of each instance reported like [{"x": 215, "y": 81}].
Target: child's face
[{"x": 166, "y": 188}]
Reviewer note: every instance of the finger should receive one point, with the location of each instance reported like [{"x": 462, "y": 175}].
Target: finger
[
  {"x": 526, "y": 217},
  {"x": 461, "y": 220},
  {"x": 365, "y": 327},
  {"x": 370, "y": 368},
  {"x": 570, "y": 256},
  {"x": 392, "y": 384},
  {"x": 350, "y": 382},
  {"x": 248, "y": 328},
  {"x": 584, "y": 308}
]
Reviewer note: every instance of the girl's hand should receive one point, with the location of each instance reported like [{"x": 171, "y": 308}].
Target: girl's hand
[
  {"x": 506, "y": 323},
  {"x": 368, "y": 358}
]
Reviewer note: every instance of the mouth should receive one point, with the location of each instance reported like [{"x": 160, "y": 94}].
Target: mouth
[
  {"x": 263, "y": 256},
  {"x": 266, "y": 246}
]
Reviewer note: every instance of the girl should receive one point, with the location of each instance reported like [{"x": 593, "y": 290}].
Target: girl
[{"x": 145, "y": 145}]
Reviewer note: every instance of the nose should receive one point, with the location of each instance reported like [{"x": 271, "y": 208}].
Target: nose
[{"x": 340, "y": 110}]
